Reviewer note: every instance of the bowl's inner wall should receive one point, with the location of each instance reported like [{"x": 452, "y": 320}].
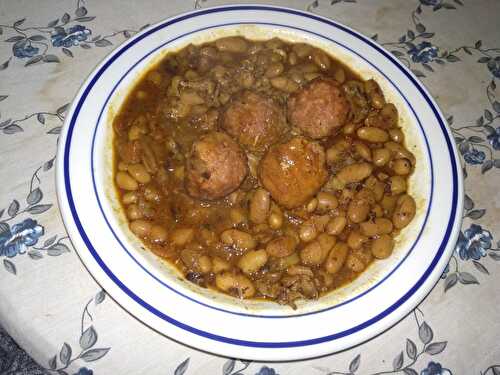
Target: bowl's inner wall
[{"x": 419, "y": 181}]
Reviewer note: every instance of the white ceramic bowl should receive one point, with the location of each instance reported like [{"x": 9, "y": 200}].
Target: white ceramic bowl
[{"x": 154, "y": 293}]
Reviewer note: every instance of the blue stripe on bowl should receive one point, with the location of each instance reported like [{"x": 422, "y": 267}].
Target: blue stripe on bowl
[{"x": 212, "y": 336}]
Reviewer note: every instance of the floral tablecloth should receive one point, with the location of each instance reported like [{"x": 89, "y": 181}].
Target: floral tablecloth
[{"x": 52, "y": 307}]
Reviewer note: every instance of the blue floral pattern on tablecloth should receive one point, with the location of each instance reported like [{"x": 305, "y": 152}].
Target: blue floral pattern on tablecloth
[
  {"x": 494, "y": 138},
  {"x": 84, "y": 371},
  {"x": 494, "y": 67},
  {"x": 70, "y": 37},
  {"x": 24, "y": 50},
  {"x": 474, "y": 242},
  {"x": 435, "y": 368},
  {"x": 264, "y": 370},
  {"x": 423, "y": 52},
  {"x": 17, "y": 239}
]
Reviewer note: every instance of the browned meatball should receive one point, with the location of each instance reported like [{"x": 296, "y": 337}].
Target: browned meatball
[
  {"x": 215, "y": 167},
  {"x": 293, "y": 172},
  {"x": 318, "y": 108},
  {"x": 255, "y": 120}
]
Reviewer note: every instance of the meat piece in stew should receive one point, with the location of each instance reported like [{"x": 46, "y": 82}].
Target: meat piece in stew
[
  {"x": 318, "y": 109},
  {"x": 215, "y": 167},
  {"x": 255, "y": 120},
  {"x": 293, "y": 172}
]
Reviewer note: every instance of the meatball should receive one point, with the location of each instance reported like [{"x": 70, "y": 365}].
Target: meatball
[
  {"x": 318, "y": 108},
  {"x": 215, "y": 167},
  {"x": 293, "y": 172},
  {"x": 255, "y": 120}
]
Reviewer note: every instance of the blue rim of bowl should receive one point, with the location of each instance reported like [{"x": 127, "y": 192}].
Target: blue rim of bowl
[{"x": 228, "y": 340}]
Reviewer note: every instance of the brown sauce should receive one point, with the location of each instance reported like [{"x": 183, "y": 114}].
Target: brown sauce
[{"x": 262, "y": 169}]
